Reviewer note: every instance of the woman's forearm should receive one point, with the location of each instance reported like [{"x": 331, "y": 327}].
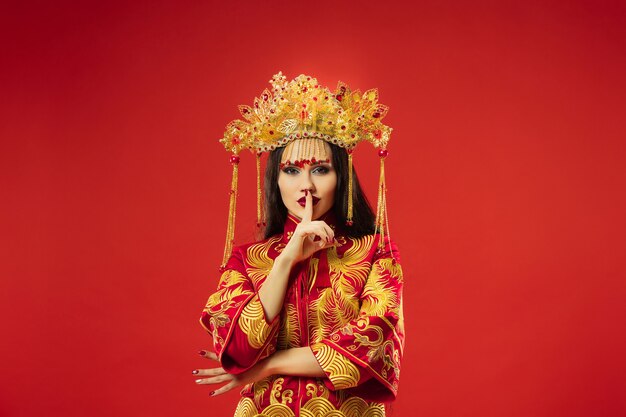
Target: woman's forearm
[
  {"x": 298, "y": 361},
  {"x": 272, "y": 292}
]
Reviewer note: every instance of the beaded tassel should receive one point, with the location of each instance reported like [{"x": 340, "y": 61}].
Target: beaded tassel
[
  {"x": 380, "y": 206},
  {"x": 382, "y": 220},
  {"x": 260, "y": 214},
  {"x": 232, "y": 209},
  {"x": 350, "y": 204}
]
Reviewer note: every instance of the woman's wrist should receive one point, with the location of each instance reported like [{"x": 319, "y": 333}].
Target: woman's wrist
[
  {"x": 285, "y": 261},
  {"x": 271, "y": 365},
  {"x": 298, "y": 361}
]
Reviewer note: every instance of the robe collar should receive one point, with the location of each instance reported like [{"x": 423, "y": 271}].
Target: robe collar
[{"x": 292, "y": 221}]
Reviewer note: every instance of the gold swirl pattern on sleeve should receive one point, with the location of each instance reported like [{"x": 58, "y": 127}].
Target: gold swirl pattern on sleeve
[
  {"x": 341, "y": 372},
  {"x": 324, "y": 315},
  {"x": 232, "y": 284},
  {"x": 252, "y": 323},
  {"x": 379, "y": 294},
  {"x": 289, "y": 335},
  {"x": 378, "y": 347},
  {"x": 258, "y": 260}
]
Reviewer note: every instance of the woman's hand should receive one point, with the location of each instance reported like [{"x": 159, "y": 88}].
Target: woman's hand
[
  {"x": 303, "y": 244},
  {"x": 219, "y": 375}
]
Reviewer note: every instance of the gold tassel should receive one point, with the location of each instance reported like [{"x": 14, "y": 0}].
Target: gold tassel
[
  {"x": 349, "y": 215},
  {"x": 382, "y": 219},
  {"x": 380, "y": 206},
  {"x": 232, "y": 211},
  {"x": 260, "y": 215}
]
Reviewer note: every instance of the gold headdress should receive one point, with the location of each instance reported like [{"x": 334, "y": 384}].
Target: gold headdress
[{"x": 300, "y": 109}]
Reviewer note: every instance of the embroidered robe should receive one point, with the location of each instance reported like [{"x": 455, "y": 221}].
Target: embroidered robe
[{"x": 344, "y": 303}]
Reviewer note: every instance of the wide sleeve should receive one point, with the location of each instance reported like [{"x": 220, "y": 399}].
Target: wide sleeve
[
  {"x": 365, "y": 354},
  {"x": 234, "y": 316}
]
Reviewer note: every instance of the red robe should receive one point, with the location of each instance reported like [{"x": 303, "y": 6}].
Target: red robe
[{"x": 344, "y": 302}]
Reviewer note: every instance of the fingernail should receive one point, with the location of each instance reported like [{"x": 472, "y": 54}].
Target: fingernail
[
  {"x": 198, "y": 381},
  {"x": 202, "y": 353},
  {"x": 195, "y": 372},
  {"x": 212, "y": 392}
]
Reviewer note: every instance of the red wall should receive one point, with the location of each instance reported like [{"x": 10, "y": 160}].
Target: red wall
[{"x": 506, "y": 178}]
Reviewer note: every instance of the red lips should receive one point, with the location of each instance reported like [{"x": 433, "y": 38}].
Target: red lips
[{"x": 302, "y": 201}]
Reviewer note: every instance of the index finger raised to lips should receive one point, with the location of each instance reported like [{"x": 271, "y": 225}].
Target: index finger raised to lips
[{"x": 308, "y": 207}]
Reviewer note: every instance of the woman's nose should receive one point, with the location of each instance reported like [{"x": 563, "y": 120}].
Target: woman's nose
[{"x": 306, "y": 183}]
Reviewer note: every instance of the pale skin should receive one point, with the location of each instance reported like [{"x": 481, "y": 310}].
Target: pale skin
[{"x": 317, "y": 180}]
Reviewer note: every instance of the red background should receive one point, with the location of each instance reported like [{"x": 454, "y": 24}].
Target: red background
[{"x": 506, "y": 178}]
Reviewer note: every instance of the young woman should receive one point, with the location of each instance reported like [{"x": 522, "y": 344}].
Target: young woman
[{"x": 308, "y": 321}]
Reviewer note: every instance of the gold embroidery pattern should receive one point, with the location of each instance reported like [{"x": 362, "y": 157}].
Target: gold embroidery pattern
[
  {"x": 400, "y": 324},
  {"x": 289, "y": 335},
  {"x": 278, "y": 396},
  {"x": 339, "y": 304},
  {"x": 232, "y": 284},
  {"x": 349, "y": 272},
  {"x": 328, "y": 312},
  {"x": 315, "y": 407},
  {"x": 379, "y": 294},
  {"x": 363, "y": 301},
  {"x": 317, "y": 390},
  {"x": 353, "y": 407},
  {"x": 378, "y": 349},
  {"x": 246, "y": 408},
  {"x": 312, "y": 275},
  {"x": 259, "y": 261},
  {"x": 341, "y": 372},
  {"x": 252, "y": 323},
  {"x": 260, "y": 387}
]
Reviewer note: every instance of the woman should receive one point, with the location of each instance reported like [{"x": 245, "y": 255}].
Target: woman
[{"x": 309, "y": 320}]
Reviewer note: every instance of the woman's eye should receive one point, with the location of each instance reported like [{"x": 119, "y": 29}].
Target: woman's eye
[
  {"x": 290, "y": 171},
  {"x": 321, "y": 170}
]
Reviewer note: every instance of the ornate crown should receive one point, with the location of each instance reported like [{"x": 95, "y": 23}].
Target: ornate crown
[{"x": 303, "y": 108}]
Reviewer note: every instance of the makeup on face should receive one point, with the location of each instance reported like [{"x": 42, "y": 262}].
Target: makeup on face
[
  {"x": 306, "y": 165},
  {"x": 302, "y": 201}
]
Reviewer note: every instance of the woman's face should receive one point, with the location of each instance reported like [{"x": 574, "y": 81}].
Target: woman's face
[{"x": 319, "y": 177}]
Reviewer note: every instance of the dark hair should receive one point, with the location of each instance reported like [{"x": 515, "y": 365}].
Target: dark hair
[{"x": 276, "y": 212}]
